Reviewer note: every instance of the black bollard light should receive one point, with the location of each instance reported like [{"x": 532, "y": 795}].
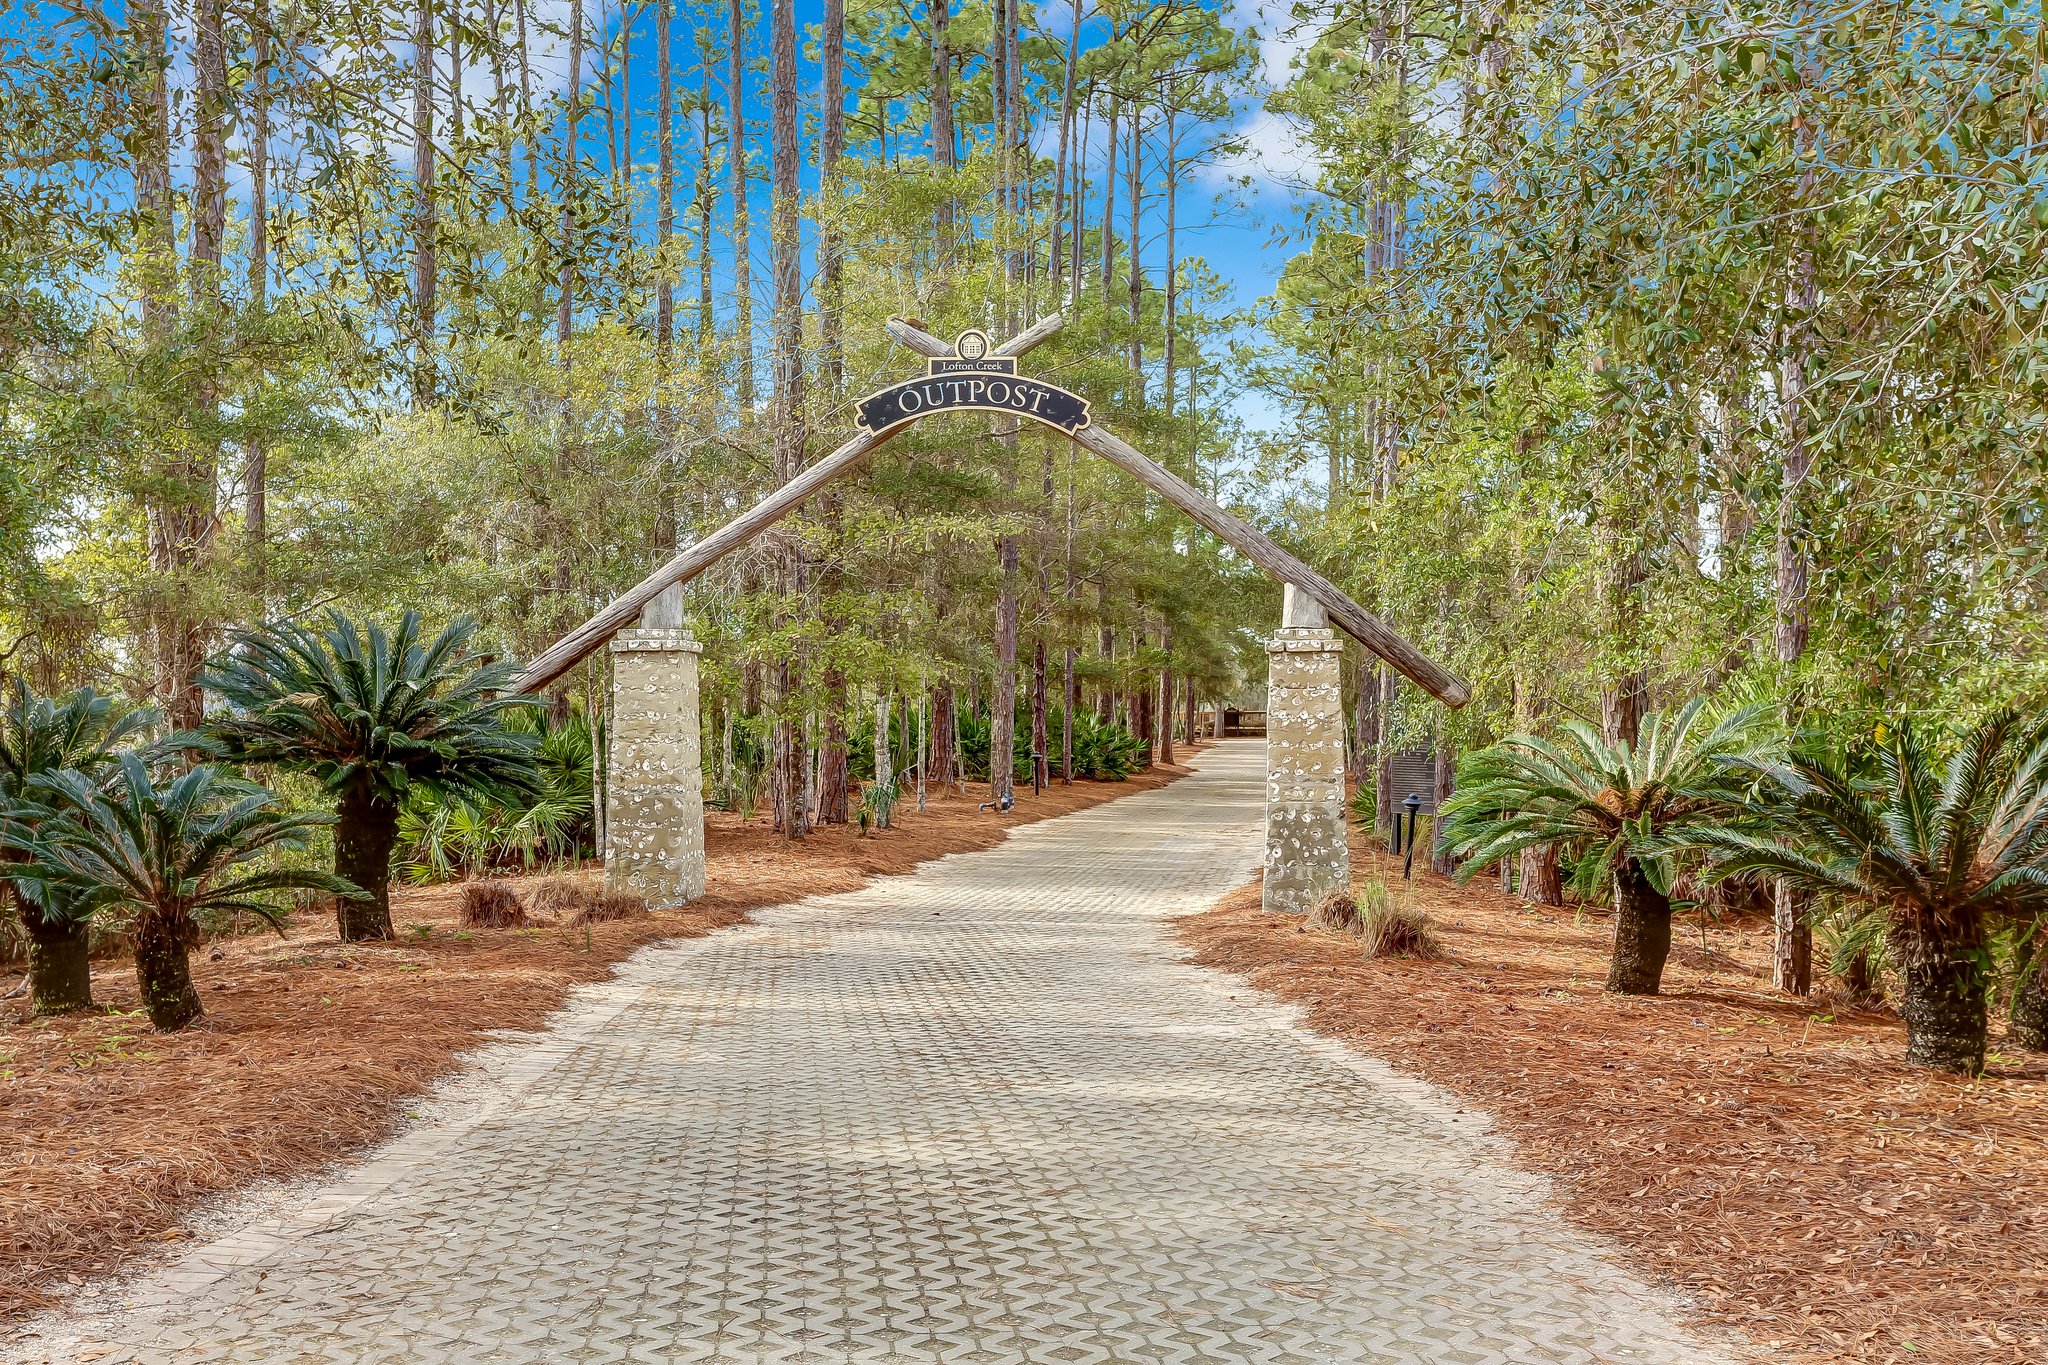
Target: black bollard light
[{"x": 1412, "y": 804}]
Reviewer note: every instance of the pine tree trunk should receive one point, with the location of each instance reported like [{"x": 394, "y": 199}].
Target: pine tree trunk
[
  {"x": 256, "y": 469},
  {"x": 1134, "y": 275},
  {"x": 1792, "y": 951},
  {"x": 1383, "y": 778},
  {"x": 1141, "y": 710},
  {"x": 2030, "y": 999},
  {"x": 424, "y": 227},
  {"x": 365, "y": 831},
  {"x": 835, "y": 795},
  {"x": 1003, "y": 716},
  {"x": 943, "y": 144},
  {"x": 1109, "y": 197},
  {"x": 742, "y": 233},
  {"x": 665, "y": 521},
  {"x": 163, "y": 969},
  {"x": 1944, "y": 1005},
  {"x": 1055, "y": 250},
  {"x": 786, "y": 323},
  {"x": 59, "y": 969},
  {"x": 1070, "y": 696},
  {"x": 1440, "y": 856},
  {"x": 1642, "y": 932},
  {"x": 942, "y": 754},
  {"x": 1105, "y": 700}
]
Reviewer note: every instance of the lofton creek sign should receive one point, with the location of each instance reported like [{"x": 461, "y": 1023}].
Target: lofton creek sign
[{"x": 972, "y": 380}]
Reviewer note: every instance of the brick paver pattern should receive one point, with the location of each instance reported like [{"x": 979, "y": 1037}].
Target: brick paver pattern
[{"x": 984, "y": 1112}]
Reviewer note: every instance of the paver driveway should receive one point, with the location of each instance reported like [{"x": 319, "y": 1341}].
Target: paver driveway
[{"x": 980, "y": 1113}]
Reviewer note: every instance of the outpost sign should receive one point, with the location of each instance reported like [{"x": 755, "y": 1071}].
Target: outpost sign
[{"x": 972, "y": 380}]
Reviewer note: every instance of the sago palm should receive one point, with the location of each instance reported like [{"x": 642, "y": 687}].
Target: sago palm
[
  {"x": 373, "y": 715},
  {"x": 1617, "y": 807},
  {"x": 1945, "y": 851},
  {"x": 41, "y": 735},
  {"x": 168, "y": 854}
]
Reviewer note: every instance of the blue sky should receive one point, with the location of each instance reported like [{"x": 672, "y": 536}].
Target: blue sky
[
  {"x": 1231, "y": 226},
  {"x": 1229, "y": 223}
]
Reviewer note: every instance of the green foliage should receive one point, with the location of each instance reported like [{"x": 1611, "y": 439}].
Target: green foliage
[
  {"x": 1945, "y": 849},
  {"x": 1608, "y": 804},
  {"x": 40, "y": 737},
  {"x": 1944, "y": 857},
  {"x": 175, "y": 849},
  {"x": 443, "y": 838},
  {"x": 1103, "y": 751},
  {"x": 375, "y": 712},
  {"x": 877, "y": 805},
  {"x": 168, "y": 853}
]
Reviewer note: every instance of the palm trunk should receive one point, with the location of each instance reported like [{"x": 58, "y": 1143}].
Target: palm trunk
[
  {"x": 163, "y": 970},
  {"x": 1642, "y": 932},
  {"x": 59, "y": 971},
  {"x": 364, "y": 834},
  {"x": 1944, "y": 1006}
]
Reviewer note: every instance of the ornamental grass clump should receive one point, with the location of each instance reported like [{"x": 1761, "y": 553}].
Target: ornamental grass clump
[
  {"x": 1383, "y": 926},
  {"x": 1623, "y": 811},
  {"x": 374, "y": 716}
]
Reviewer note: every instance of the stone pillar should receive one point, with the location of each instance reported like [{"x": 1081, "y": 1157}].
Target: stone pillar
[
  {"x": 1308, "y": 851},
  {"x": 654, "y": 793}
]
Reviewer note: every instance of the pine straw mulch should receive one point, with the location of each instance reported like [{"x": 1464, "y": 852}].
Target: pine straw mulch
[
  {"x": 1774, "y": 1160},
  {"x": 311, "y": 1048}
]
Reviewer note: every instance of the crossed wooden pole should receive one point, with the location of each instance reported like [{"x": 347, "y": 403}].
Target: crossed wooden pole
[{"x": 1248, "y": 540}]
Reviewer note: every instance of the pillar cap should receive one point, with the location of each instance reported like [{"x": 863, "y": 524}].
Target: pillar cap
[
  {"x": 644, "y": 641},
  {"x": 1299, "y": 640},
  {"x": 1300, "y": 611}
]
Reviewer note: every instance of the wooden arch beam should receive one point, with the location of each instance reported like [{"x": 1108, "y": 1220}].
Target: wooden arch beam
[{"x": 1246, "y": 539}]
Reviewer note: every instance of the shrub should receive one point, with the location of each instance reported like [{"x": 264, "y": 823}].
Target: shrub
[
  {"x": 1946, "y": 849},
  {"x": 1103, "y": 752},
  {"x": 1388, "y": 929},
  {"x": 491, "y": 905},
  {"x": 374, "y": 716},
  {"x": 39, "y": 736},
  {"x": 1617, "y": 811},
  {"x": 168, "y": 854}
]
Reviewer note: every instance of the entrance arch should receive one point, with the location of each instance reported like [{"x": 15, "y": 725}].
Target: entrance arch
[{"x": 654, "y": 798}]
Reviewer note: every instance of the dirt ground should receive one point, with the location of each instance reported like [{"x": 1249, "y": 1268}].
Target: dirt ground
[
  {"x": 310, "y": 1048},
  {"x": 1773, "y": 1159}
]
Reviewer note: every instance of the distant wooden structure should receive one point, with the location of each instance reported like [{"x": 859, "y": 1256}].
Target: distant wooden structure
[{"x": 1237, "y": 723}]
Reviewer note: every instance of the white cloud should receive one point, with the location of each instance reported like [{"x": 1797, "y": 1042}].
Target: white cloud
[{"x": 1274, "y": 152}]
